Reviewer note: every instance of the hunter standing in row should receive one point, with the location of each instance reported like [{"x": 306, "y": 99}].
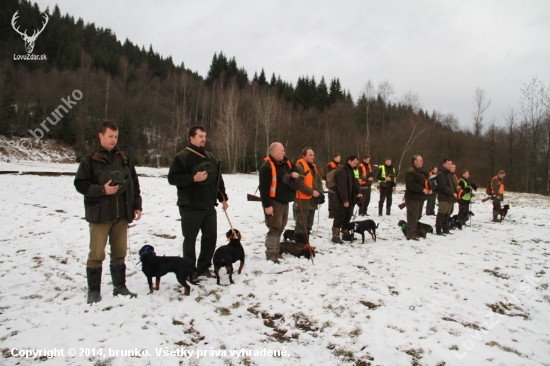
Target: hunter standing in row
[
  {"x": 347, "y": 193},
  {"x": 416, "y": 191},
  {"x": 276, "y": 193},
  {"x": 196, "y": 174},
  {"x": 308, "y": 196},
  {"x": 430, "y": 205},
  {"x": 446, "y": 197},
  {"x": 497, "y": 192},
  {"x": 386, "y": 178},
  {"x": 112, "y": 200},
  {"x": 367, "y": 177},
  {"x": 335, "y": 163}
]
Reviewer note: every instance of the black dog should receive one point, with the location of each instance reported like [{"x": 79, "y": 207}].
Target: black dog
[
  {"x": 421, "y": 232},
  {"x": 154, "y": 266},
  {"x": 428, "y": 228},
  {"x": 228, "y": 254},
  {"x": 504, "y": 211},
  {"x": 288, "y": 235},
  {"x": 360, "y": 227}
]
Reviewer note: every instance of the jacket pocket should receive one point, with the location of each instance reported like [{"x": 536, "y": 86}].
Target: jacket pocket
[{"x": 92, "y": 212}]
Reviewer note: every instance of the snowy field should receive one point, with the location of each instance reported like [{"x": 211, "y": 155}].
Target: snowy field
[{"x": 478, "y": 297}]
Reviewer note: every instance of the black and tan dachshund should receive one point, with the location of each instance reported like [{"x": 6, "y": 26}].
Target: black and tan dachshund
[
  {"x": 428, "y": 228},
  {"x": 228, "y": 254},
  {"x": 296, "y": 250},
  {"x": 360, "y": 227},
  {"x": 420, "y": 231},
  {"x": 153, "y": 266}
]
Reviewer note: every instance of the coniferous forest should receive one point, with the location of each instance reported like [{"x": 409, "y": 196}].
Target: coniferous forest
[{"x": 154, "y": 102}]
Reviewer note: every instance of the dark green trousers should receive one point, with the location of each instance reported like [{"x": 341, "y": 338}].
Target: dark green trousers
[
  {"x": 309, "y": 217},
  {"x": 430, "y": 208},
  {"x": 193, "y": 221},
  {"x": 414, "y": 212}
]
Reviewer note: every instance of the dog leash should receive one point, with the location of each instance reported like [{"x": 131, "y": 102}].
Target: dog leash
[{"x": 226, "y": 215}]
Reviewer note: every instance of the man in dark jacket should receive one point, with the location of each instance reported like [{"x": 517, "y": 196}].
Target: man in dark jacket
[
  {"x": 308, "y": 196},
  {"x": 194, "y": 171},
  {"x": 386, "y": 178},
  {"x": 416, "y": 191},
  {"x": 347, "y": 193},
  {"x": 275, "y": 176},
  {"x": 335, "y": 163},
  {"x": 497, "y": 191},
  {"x": 109, "y": 209},
  {"x": 446, "y": 197},
  {"x": 430, "y": 205}
]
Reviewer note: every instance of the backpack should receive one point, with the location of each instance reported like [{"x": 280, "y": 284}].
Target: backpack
[
  {"x": 331, "y": 178},
  {"x": 489, "y": 191}
]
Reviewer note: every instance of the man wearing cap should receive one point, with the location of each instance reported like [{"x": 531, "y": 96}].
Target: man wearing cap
[
  {"x": 112, "y": 200},
  {"x": 194, "y": 171}
]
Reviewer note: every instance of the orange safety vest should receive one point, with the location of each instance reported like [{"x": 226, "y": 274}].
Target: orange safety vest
[
  {"x": 500, "y": 186},
  {"x": 273, "y": 188},
  {"x": 364, "y": 172},
  {"x": 456, "y": 178},
  {"x": 308, "y": 180},
  {"x": 333, "y": 165}
]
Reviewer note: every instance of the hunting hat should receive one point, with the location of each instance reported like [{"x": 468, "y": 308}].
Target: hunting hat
[
  {"x": 118, "y": 175},
  {"x": 208, "y": 167}
]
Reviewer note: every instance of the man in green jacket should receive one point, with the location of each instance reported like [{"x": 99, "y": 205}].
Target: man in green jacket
[
  {"x": 194, "y": 171},
  {"x": 112, "y": 200},
  {"x": 308, "y": 196}
]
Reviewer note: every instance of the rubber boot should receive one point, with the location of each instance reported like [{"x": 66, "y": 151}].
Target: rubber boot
[
  {"x": 495, "y": 216},
  {"x": 439, "y": 224},
  {"x": 118, "y": 274},
  {"x": 336, "y": 235},
  {"x": 412, "y": 235},
  {"x": 272, "y": 252},
  {"x": 446, "y": 225},
  {"x": 94, "y": 284}
]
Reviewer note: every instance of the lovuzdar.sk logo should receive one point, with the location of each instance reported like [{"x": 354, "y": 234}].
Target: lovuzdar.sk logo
[{"x": 29, "y": 40}]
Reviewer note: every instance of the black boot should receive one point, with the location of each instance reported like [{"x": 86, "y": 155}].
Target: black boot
[
  {"x": 495, "y": 216},
  {"x": 446, "y": 224},
  {"x": 439, "y": 224},
  {"x": 118, "y": 274},
  {"x": 94, "y": 284}
]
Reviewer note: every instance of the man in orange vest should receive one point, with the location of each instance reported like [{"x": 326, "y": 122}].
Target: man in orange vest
[
  {"x": 276, "y": 193},
  {"x": 497, "y": 191},
  {"x": 335, "y": 163},
  {"x": 367, "y": 177},
  {"x": 308, "y": 196}
]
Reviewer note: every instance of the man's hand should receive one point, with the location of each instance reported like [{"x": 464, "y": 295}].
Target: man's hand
[
  {"x": 388, "y": 179},
  {"x": 225, "y": 205},
  {"x": 454, "y": 194},
  {"x": 346, "y": 204},
  {"x": 269, "y": 211},
  {"x": 371, "y": 179},
  {"x": 110, "y": 189},
  {"x": 426, "y": 191},
  {"x": 294, "y": 175},
  {"x": 360, "y": 195},
  {"x": 200, "y": 176},
  {"x": 498, "y": 198},
  {"x": 137, "y": 215},
  {"x": 316, "y": 194}
]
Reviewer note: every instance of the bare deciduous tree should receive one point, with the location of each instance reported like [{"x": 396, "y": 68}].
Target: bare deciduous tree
[{"x": 480, "y": 106}]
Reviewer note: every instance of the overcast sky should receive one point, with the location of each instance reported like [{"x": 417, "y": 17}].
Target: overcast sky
[{"x": 440, "y": 50}]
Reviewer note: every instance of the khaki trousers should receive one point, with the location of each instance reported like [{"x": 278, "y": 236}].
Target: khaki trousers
[{"x": 117, "y": 232}]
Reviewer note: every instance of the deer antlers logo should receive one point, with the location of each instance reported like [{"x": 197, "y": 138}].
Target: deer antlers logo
[{"x": 29, "y": 40}]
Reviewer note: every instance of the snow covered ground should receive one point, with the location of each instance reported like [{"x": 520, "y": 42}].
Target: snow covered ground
[{"x": 478, "y": 297}]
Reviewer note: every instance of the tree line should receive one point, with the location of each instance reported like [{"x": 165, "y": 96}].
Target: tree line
[{"x": 154, "y": 102}]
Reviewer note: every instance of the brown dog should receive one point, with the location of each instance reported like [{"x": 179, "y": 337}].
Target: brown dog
[
  {"x": 296, "y": 250},
  {"x": 504, "y": 211}
]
